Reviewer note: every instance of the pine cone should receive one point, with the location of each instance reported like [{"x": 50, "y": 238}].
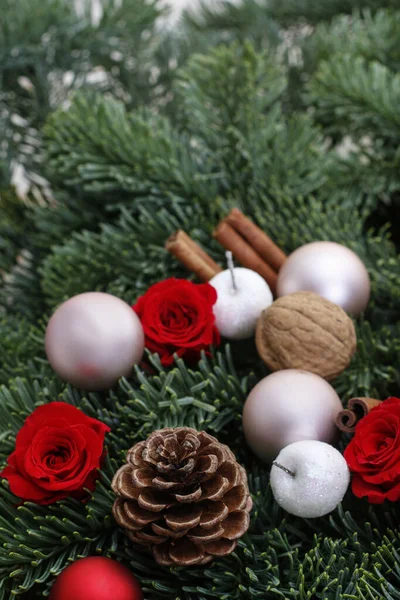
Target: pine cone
[{"x": 183, "y": 495}]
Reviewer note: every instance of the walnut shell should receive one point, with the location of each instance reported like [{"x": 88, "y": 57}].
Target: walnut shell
[{"x": 305, "y": 331}]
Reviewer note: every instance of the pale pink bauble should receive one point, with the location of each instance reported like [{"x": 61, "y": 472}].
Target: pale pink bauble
[
  {"x": 93, "y": 339},
  {"x": 330, "y": 270},
  {"x": 286, "y": 407}
]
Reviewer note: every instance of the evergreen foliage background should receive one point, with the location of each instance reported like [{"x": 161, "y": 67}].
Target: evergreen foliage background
[{"x": 288, "y": 109}]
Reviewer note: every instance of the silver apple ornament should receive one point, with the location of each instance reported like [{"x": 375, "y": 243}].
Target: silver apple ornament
[
  {"x": 309, "y": 479},
  {"x": 242, "y": 295}
]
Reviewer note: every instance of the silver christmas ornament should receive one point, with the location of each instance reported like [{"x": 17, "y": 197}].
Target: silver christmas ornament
[
  {"x": 93, "y": 339},
  {"x": 286, "y": 407},
  {"x": 330, "y": 270}
]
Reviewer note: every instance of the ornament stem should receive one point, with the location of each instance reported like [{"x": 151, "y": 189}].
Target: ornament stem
[
  {"x": 229, "y": 260},
  {"x": 285, "y": 469}
]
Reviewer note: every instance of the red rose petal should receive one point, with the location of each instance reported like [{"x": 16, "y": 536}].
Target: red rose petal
[
  {"x": 361, "y": 489},
  {"x": 44, "y": 415},
  {"x": 22, "y": 487},
  {"x": 394, "y": 493},
  {"x": 89, "y": 461},
  {"x": 209, "y": 293}
]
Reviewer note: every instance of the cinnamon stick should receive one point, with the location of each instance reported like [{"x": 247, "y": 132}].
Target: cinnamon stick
[
  {"x": 262, "y": 244},
  {"x": 357, "y": 408},
  {"x": 192, "y": 256},
  {"x": 244, "y": 253}
]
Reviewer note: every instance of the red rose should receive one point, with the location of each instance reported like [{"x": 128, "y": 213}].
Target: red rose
[
  {"x": 57, "y": 453},
  {"x": 177, "y": 317},
  {"x": 374, "y": 454}
]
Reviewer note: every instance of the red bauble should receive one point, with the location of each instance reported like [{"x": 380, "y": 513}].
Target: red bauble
[{"x": 96, "y": 578}]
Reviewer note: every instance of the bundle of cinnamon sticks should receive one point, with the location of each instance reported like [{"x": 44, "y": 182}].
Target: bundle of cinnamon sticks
[
  {"x": 247, "y": 242},
  {"x": 192, "y": 256},
  {"x": 357, "y": 408}
]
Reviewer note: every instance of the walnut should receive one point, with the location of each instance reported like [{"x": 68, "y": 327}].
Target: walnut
[{"x": 305, "y": 331}]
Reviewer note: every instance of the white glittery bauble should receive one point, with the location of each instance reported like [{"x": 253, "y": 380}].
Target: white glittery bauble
[
  {"x": 330, "y": 270},
  {"x": 237, "y": 311},
  {"x": 93, "y": 339},
  {"x": 288, "y": 406},
  {"x": 321, "y": 478}
]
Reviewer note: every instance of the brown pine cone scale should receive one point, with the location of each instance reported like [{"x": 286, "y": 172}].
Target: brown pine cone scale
[{"x": 183, "y": 495}]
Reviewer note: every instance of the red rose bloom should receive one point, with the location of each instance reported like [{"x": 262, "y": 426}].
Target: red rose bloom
[
  {"x": 374, "y": 454},
  {"x": 57, "y": 453},
  {"x": 177, "y": 317}
]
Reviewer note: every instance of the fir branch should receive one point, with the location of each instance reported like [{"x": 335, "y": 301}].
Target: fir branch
[
  {"x": 288, "y": 12},
  {"x": 98, "y": 145},
  {"x": 248, "y": 18},
  {"x": 364, "y": 34},
  {"x": 21, "y": 348},
  {"x": 364, "y": 96}
]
